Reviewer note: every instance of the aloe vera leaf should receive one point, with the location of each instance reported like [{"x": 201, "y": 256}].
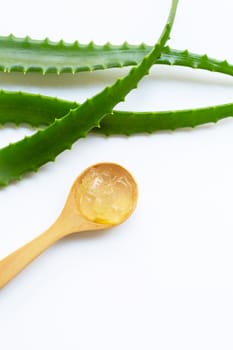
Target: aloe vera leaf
[
  {"x": 131, "y": 123},
  {"x": 185, "y": 58},
  {"x": 32, "y": 152},
  {"x": 45, "y": 56},
  {"x": 33, "y": 109},
  {"x": 36, "y": 110}
]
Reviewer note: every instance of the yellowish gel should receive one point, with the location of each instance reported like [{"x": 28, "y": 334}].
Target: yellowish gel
[{"x": 105, "y": 196}]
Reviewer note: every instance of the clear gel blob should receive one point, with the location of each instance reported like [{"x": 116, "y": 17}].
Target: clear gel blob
[{"x": 106, "y": 194}]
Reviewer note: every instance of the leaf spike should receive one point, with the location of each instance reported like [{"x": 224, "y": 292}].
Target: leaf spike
[
  {"x": 91, "y": 44},
  {"x": 76, "y": 44},
  {"x": 225, "y": 63},
  {"x": 125, "y": 45},
  {"x": 52, "y": 160},
  {"x": 107, "y": 46},
  {"x": 83, "y": 135},
  {"x": 69, "y": 147},
  {"x": 142, "y": 46},
  {"x": 27, "y": 38},
  {"x": 61, "y": 43},
  {"x": 46, "y": 41},
  {"x": 11, "y": 36},
  {"x": 204, "y": 58}
]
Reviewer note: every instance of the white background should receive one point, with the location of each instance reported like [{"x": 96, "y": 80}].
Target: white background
[{"x": 162, "y": 280}]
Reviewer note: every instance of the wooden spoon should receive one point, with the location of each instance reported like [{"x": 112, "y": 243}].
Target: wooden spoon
[{"x": 103, "y": 196}]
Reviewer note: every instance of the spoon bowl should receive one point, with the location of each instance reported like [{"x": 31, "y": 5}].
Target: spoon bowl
[{"x": 104, "y": 195}]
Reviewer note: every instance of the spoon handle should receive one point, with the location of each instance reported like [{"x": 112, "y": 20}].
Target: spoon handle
[{"x": 18, "y": 260}]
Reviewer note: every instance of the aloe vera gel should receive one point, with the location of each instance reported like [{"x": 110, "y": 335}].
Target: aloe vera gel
[{"x": 106, "y": 194}]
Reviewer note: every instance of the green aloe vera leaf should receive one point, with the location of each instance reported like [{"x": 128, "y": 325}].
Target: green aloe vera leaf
[
  {"x": 32, "y": 152},
  {"x": 131, "y": 123},
  {"x": 36, "y": 110},
  {"x": 185, "y": 58},
  {"x": 44, "y": 56},
  {"x": 33, "y": 109}
]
